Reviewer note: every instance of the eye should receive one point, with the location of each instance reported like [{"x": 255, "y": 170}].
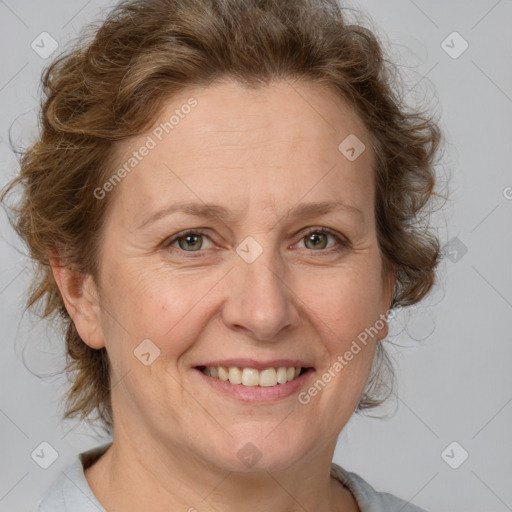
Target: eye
[
  {"x": 188, "y": 241},
  {"x": 316, "y": 239}
]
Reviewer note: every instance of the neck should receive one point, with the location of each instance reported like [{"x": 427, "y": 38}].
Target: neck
[{"x": 133, "y": 476}]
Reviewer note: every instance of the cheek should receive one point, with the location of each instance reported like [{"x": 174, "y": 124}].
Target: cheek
[
  {"x": 166, "y": 309},
  {"x": 345, "y": 301},
  {"x": 346, "y": 315},
  {"x": 160, "y": 305}
]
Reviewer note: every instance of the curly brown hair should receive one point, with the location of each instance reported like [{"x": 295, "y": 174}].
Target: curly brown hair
[{"x": 110, "y": 85}]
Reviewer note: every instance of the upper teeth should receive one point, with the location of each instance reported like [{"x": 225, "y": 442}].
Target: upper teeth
[{"x": 251, "y": 376}]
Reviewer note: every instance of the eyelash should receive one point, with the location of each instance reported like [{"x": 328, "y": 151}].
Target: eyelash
[{"x": 342, "y": 242}]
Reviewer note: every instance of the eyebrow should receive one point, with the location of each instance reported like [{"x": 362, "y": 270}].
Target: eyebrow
[{"x": 209, "y": 210}]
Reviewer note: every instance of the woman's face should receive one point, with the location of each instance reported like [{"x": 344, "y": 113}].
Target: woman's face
[{"x": 262, "y": 278}]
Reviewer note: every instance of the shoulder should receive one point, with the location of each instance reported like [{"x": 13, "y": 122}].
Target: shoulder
[
  {"x": 71, "y": 492},
  {"x": 368, "y": 499}
]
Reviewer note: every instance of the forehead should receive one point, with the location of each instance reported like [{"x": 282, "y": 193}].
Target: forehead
[
  {"x": 226, "y": 113},
  {"x": 274, "y": 143}
]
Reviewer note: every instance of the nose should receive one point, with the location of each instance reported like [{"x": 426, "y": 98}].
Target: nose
[{"x": 259, "y": 300}]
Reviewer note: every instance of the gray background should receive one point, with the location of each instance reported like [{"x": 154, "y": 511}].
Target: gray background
[{"x": 453, "y": 352}]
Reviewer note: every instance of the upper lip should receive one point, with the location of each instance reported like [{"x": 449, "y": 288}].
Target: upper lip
[{"x": 258, "y": 365}]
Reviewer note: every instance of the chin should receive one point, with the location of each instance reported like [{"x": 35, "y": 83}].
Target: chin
[{"x": 243, "y": 455}]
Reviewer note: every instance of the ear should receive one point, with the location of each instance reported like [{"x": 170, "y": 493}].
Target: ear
[
  {"x": 388, "y": 287},
  {"x": 81, "y": 299}
]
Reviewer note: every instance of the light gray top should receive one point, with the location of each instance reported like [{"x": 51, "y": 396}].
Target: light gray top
[{"x": 71, "y": 492}]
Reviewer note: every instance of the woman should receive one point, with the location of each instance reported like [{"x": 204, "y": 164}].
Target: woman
[{"x": 224, "y": 203}]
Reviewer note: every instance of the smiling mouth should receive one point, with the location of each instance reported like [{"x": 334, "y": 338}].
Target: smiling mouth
[{"x": 251, "y": 377}]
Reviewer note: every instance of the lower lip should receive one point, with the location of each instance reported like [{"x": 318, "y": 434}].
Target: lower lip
[{"x": 257, "y": 393}]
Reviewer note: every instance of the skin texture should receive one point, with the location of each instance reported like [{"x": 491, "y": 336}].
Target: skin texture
[{"x": 260, "y": 154}]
